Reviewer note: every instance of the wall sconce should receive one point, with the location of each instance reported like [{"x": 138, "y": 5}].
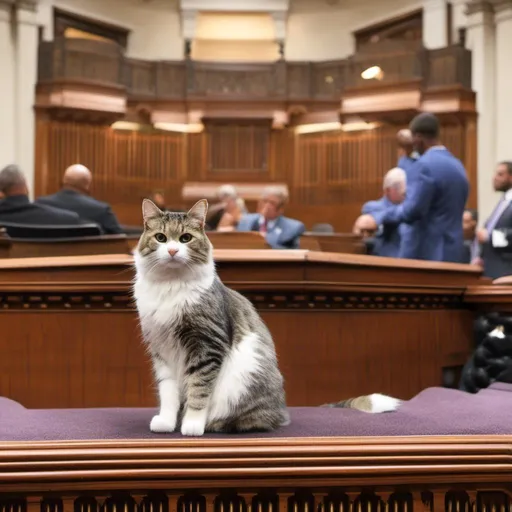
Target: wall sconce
[{"x": 372, "y": 73}]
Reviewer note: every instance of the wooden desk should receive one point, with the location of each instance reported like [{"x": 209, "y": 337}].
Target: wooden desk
[
  {"x": 496, "y": 296},
  {"x": 335, "y": 242},
  {"x": 5, "y": 243},
  {"x": 343, "y": 325},
  {"x": 85, "y": 246}
]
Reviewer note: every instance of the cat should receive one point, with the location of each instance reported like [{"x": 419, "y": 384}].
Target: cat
[
  {"x": 375, "y": 403},
  {"x": 213, "y": 358}
]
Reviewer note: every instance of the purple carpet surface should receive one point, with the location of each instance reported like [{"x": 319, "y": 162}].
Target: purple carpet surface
[{"x": 434, "y": 411}]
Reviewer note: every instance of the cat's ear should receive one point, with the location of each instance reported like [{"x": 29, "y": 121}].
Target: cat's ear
[
  {"x": 150, "y": 210},
  {"x": 198, "y": 211}
]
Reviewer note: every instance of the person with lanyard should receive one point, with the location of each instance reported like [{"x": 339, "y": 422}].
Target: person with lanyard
[
  {"x": 435, "y": 199},
  {"x": 492, "y": 247}
]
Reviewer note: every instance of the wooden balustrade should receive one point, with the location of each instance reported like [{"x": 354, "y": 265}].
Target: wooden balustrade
[
  {"x": 449, "y": 66},
  {"x": 104, "y": 63}
]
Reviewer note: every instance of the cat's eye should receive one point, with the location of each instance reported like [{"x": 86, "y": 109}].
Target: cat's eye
[
  {"x": 160, "y": 237},
  {"x": 185, "y": 238}
]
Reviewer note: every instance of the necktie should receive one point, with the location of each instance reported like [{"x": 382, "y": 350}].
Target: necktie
[
  {"x": 263, "y": 226},
  {"x": 496, "y": 214}
]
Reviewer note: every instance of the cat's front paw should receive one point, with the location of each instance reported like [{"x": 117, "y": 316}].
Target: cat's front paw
[
  {"x": 162, "y": 424},
  {"x": 194, "y": 423}
]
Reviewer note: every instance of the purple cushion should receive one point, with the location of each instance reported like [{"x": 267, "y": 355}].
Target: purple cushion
[{"x": 434, "y": 411}]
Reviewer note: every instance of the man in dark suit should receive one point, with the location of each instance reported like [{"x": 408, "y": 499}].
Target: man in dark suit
[
  {"x": 16, "y": 207},
  {"x": 279, "y": 231},
  {"x": 435, "y": 199},
  {"x": 74, "y": 196},
  {"x": 495, "y": 238}
]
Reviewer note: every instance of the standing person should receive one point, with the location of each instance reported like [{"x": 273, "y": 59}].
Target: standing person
[
  {"x": 435, "y": 199},
  {"x": 406, "y": 154},
  {"x": 409, "y": 239},
  {"x": 495, "y": 238}
]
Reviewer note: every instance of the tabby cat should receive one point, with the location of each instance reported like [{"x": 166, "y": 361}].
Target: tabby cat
[{"x": 213, "y": 357}]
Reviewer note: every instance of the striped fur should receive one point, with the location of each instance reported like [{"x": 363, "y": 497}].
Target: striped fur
[
  {"x": 375, "y": 403},
  {"x": 213, "y": 357}
]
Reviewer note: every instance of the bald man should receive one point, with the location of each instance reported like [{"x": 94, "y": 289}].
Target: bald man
[
  {"x": 74, "y": 196},
  {"x": 16, "y": 208}
]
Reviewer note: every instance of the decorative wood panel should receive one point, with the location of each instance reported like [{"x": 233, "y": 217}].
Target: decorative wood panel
[
  {"x": 235, "y": 147},
  {"x": 44, "y": 300},
  {"x": 329, "y": 175}
]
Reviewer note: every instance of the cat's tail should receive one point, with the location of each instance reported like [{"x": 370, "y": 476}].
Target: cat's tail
[{"x": 375, "y": 403}]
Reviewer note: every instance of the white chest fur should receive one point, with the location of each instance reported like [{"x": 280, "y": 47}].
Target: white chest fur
[
  {"x": 164, "y": 302},
  {"x": 162, "y": 299}
]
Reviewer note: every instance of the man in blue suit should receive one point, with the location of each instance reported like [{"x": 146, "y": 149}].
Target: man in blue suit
[
  {"x": 387, "y": 238},
  {"x": 407, "y": 159},
  {"x": 279, "y": 231},
  {"x": 435, "y": 199}
]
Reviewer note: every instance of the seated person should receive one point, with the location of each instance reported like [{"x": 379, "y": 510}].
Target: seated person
[
  {"x": 233, "y": 211},
  {"x": 158, "y": 198},
  {"x": 387, "y": 238},
  {"x": 469, "y": 223},
  {"x": 228, "y": 197},
  {"x": 279, "y": 231},
  {"x": 74, "y": 197},
  {"x": 16, "y": 207}
]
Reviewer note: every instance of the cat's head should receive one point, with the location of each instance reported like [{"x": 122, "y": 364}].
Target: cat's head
[{"x": 174, "y": 240}]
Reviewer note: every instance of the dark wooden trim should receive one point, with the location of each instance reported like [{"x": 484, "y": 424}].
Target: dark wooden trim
[{"x": 65, "y": 19}]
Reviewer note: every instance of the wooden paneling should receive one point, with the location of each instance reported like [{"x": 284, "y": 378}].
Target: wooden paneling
[
  {"x": 126, "y": 166},
  {"x": 329, "y": 175},
  {"x": 74, "y": 339}
]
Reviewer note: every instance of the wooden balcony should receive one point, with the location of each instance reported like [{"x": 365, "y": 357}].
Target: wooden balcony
[{"x": 96, "y": 69}]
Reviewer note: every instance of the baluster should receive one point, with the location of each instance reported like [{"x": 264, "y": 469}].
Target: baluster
[
  {"x": 248, "y": 497},
  {"x": 284, "y": 498},
  {"x": 210, "y": 504},
  {"x": 384, "y": 497},
  {"x": 419, "y": 505},
  {"x": 68, "y": 504},
  {"x": 172, "y": 502},
  {"x": 34, "y": 504},
  {"x": 439, "y": 502}
]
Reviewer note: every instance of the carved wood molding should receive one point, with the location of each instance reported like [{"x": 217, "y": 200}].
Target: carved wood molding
[
  {"x": 284, "y": 463},
  {"x": 285, "y": 300}
]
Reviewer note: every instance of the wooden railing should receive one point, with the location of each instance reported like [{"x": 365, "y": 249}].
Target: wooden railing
[{"x": 104, "y": 63}]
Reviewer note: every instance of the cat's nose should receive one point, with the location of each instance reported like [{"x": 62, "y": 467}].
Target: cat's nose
[{"x": 173, "y": 252}]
